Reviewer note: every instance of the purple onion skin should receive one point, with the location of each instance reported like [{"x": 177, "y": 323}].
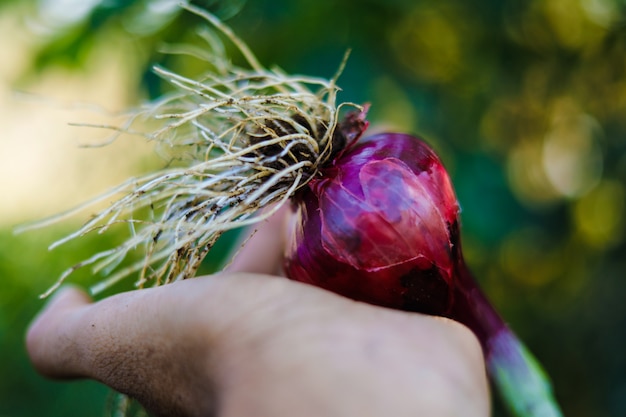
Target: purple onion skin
[{"x": 381, "y": 225}]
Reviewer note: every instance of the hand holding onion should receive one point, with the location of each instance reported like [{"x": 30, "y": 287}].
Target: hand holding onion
[
  {"x": 377, "y": 220},
  {"x": 243, "y": 343},
  {"x": 381, "y": 225}
]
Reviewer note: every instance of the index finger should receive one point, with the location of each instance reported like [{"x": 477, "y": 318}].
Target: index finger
[{"x": 261, "y": 251}]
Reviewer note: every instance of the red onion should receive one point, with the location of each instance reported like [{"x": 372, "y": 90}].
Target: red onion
[{"x": 381, "y": 225}]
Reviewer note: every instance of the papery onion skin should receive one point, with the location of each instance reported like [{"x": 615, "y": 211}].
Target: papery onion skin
[
  {"x": 371, "y": 228},
  {"x": 381, "y": 225}
]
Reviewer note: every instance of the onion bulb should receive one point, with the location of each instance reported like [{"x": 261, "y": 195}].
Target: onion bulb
[{"x": 381, "y": 225}]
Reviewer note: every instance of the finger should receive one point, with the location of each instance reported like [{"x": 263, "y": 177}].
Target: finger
[
  {"x": 263, "y": 248},
  {"x": 461, "y": 361},
  {"x": 157, "y": 345},
  {"x": 45, "y": 336}
]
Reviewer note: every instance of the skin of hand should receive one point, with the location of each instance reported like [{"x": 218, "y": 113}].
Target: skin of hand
[{"x": 246, "y": 342}]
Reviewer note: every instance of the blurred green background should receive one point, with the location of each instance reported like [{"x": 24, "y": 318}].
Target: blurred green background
[{"x": 524, "y": 100}]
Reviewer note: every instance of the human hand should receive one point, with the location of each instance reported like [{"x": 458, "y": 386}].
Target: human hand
[{"x": 243, "y": 342}]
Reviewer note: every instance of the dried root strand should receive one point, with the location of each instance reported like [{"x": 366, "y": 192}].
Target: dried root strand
[{"x": 239, "y": 139}]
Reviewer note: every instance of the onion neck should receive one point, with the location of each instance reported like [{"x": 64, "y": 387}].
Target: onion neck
[
  {"x": 518, "y": 376},
  {"x": 471, "y": 307}
]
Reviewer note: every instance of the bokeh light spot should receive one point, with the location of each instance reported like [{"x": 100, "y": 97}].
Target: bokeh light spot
[
  {"x": 527, "y": 177},
  {"x": 528, "y": 257},
  {"x": 56, "y": 15},
  {"x": 572, "y": 155},
  {"x": 601, "y": 12},
  {"x": 599, "y": 216},
  {"x": 151, "y": 16},
  {"x": 427, "y": 41},
  {"x": 394, "y": 110}
]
